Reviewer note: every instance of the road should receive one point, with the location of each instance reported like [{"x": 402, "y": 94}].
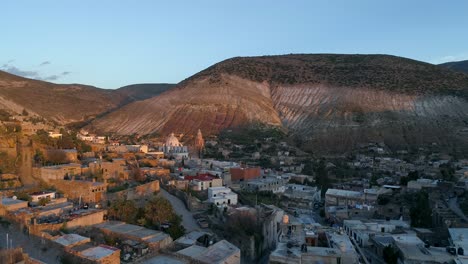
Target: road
[
  {"x": 453, "y": 205},
  {"x": 179, "y": 207},
  {"x": 30, "y": 245}
]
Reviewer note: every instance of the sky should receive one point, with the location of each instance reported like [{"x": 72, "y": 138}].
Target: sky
[{"x": 113, "y": 43}]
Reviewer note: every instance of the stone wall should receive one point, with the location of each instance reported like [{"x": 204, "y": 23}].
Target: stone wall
[{"x": 137, "y": 192}]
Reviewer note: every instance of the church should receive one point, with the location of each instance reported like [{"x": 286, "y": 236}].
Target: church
[{"x": 173, "y": 148}]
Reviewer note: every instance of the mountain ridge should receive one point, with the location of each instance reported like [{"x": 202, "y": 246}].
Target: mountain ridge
[{"x": 310, "y": 95}]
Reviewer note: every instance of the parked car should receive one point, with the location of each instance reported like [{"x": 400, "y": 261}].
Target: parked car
[{"x": 202, "y": 223}]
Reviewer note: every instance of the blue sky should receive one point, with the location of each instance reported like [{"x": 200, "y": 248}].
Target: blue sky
[{"x": 111, "y": 43}]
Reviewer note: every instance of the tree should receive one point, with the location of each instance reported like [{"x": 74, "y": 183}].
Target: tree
[
  {"x": 420, "y": 211},
  {"x": 43, "y": 201},
  {"x": 158, "y": 211},
  {"x": 124, "y": 210},
  {"x": 390, "y": 255}
]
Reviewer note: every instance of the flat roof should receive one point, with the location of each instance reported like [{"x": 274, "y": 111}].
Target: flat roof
[
  {"x": 71, "y": 239},
  {"x": 459, "y": 237},
  {"x": 192, "y": 251},
  {"x": 10, "y": 201},
  {"x": 161, "y": 259},
  {"x": 339, "y": 192},
  {"x": 218, "y": 252},
  {"x": 142, "y": 233},
  {"x": 190, "y": 238},
  {"x": 99, "y": 252}
]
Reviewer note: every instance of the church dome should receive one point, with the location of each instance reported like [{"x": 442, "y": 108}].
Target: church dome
[{"x": 172, "y": 141}]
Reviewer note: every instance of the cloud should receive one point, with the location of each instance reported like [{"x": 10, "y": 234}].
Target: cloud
[
  {"x": 44, "y": 63},
  {"x": 32, "y": 74},
  {"x": 51, "y": 78},
  {"x": 449, "y": 58},
  {"x": 13, "y": 70}
]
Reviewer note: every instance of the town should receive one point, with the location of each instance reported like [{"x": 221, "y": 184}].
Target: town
[{"x": 240, "y": 197}]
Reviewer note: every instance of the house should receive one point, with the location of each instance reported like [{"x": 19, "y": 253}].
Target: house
[
  {"x": 339, "y": 197},
  {"x": 221, "y": 252},
  {"x": 244, "y": 174},
  {"x": 87, "y": 191},
  {"x": 222, "y": 196},
  {"x": 204, "y": 181},
  {"x": 59, "y": 172},
  {"x": 37, "y": 196},
  {"x": 304, "y": 192},
  {"x": 267, "y": 184}
]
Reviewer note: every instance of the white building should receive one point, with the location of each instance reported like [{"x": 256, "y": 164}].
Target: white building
[
  {"x": 221, "y": 196},
  {"x": 137, "y": 148},
  {"x": 55, "y": 135},
  {"x": 36, "y": 197},
  {"x": 173, "y": 148}
]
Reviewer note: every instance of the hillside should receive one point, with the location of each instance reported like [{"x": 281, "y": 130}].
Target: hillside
[
  {"x": 330, "y": 101},
  {"x": 67, "y": 103},
  {"x": 137, "y": 92},
  {"x": 459, "y": 66}
]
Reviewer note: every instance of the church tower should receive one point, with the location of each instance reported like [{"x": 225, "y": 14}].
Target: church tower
[{"x": 199, "y": 143}]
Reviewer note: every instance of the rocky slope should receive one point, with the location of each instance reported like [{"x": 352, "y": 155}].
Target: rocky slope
[
  {"x": 67, "y": 103},
  {"x": 460, "y": 66},
  {"x": 330, "y": 101},
  {"x": 137, "y": 92}
]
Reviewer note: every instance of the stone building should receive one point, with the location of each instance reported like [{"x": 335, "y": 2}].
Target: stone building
[{"x": 87, "y": 191}]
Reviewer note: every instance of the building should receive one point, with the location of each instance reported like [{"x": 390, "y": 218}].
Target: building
[
  {"x": 37, "y": 196},
  {"x": 244, "y": 174},
  {"x": 421, "y": 183},
  {"x": 173, "y": 148},
  {"x": 363, "y": 230},
  {"x": 267, "y": 184},
  {"x": 336, "y": 197},
  {"x": 154, "y": 239},
  {"x": 12, "y": 204},
  {"x": 300, "y": 243},
  {"x": 459, "y": 241},
  {"x": 117, "y": 169},
  {"x": 303, "y": 192},
  {"x": 101, "y": 254},
  {"x": 71, "y": 240},
  {"x": 221, "y": 252},
  {"x": 222, "y": 196},
  {"x": 204, "y": 181},
  {"x": 59, "y": 172},
  {"x": 55, "y": 134},
  {"x": 87, "y": 191},
  {"x": 412, "y": 250},
  {"x": 137, "y": 148}
]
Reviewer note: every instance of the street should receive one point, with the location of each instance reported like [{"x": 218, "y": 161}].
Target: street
[{"x": 188, "y": 221}]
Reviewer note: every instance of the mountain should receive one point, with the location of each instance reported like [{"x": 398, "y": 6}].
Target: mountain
[
  {"x": 137, "y": 92},
  {"x": 68, "y": 103},
  {"x": 460, "y": 66},
  {"x": 61, "y": 103},
  {"x": 329, "y": 101}
]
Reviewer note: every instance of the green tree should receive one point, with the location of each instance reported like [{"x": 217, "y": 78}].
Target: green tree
[
  {"x": 390, "y": 255},
  {"x": 420, "y": 211}
]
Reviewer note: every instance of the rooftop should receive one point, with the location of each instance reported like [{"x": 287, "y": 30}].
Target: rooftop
[
  {"x": 99, "y": 252},
  {"x": 459, "y": 237},
  {"x": 71, "y": 239},
  {"x": 218, "y": 252},
  {"x": 192, "y": 251},
  {"x": 121, "y": 228},
  {"x": 344, "y": 193},
  {"x": 11, "y": 201}
]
